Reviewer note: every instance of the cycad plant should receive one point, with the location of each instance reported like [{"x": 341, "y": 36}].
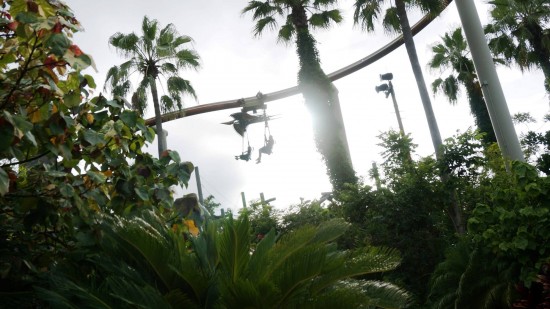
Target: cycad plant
[
  {"x": 142, "y": 263},
  {"x": 157, "y": 55},
  {"x": 321, "y": 96}
]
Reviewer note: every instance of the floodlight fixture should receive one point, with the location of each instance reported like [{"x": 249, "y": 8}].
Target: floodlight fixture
[
  {"x": 383, "y": 87},
  {"x": 387, "y": 76}
]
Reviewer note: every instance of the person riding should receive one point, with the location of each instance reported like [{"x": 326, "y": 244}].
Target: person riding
[
  {"x": 245, "y": 155},
  {"x": 267, "y": 148}
]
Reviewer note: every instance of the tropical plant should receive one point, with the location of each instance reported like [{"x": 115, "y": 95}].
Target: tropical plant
[
  {"x": 452, "y": 53},
  {"x": 64, "y": 157},
  {"x": 156, "y": 55},
  {"x": 143, "y": 263},
  {"x": 470, "y": 278},
  {"x": 321, "y": 96},
  {"x": 514, "y": 223},
  {"x": 395, "y": 19},
  {"x": 519, "y": 32}
]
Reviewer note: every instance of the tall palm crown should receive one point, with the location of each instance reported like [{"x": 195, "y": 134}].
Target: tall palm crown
[
  {"x": 395, "y": 19},
  {"x": 453, "y": 53},
  {"x": 520, "y": 32},
  {"x": 321, "y": 97},
  {"x": 158, "y": 54}
]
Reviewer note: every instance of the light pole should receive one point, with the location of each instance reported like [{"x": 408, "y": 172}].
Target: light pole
[{"x": 388, "y": 90}]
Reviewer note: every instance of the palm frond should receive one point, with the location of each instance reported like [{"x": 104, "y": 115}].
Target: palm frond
[
  {"x": 325, "y": 18},
  {"x": 266, "y": 22},
  {"x": 365, "y": 13},
  {"x": 180, "y": 40},
  {"x": 260, "y": 9},
  {"x": 149, "y": 30},
  {"x": 391, "y": 22},
  {"x": 234, "y": 248},
  {"x": 168, "y": 67},
  {"x": 256, "y": 265},
  {"x": 384, "y": 295},
  {"x": 320, "y": 4},
  {"x": 124, "y": 44},
  {"x": 177, "y": 85},
  {"x": 286, "y": 32},
  {"x": 187, "y": 59},
  {"x": 167, "y": 104}
]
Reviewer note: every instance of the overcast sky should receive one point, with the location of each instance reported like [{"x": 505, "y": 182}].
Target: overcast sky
[{"x": 236, "y": 65}]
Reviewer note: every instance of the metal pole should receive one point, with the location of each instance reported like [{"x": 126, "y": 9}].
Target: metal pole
[
  {"x": 401, "y": 129},
  {"x": 262, "y": 198},
  {"x": 199, "y": 185},
  {"x": 492, "y": 90},
  {"x": 244, "y": 199}
]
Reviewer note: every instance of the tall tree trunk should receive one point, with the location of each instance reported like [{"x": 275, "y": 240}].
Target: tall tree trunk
[
  {"x": 158, "y": 117},
  {"x": 415, "y": 64},
  {"x": 321, "y": 98},
  {"x": 455, "y": 210},
  {"x": 478, "y": 108},
  {"x": 542, "y": 52}
]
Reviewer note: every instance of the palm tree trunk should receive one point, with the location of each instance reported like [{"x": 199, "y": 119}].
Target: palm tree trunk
[
  {"x": 478, "y": 108},
  {"x": 158, "y": 117},
  {"x": 455, "y": 211},
  {"x": 415, "y": 64},
  {"x": 321, "y": 98},
  {"x": 542, "y": 53}
]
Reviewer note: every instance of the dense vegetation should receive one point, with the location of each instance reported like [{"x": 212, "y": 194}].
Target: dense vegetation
[{"x": 88, "y": 218}]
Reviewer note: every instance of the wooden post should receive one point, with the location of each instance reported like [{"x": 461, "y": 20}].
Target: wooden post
[
  {"x": 244, "y": 199},
  {"x": 199, "y": 185}
]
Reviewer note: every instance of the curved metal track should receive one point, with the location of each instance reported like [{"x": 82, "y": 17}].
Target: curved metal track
[{"x": 276, "y": 95}]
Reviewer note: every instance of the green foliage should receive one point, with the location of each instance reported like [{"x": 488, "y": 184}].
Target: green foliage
[
  {"x": 210, "y": 204},
  {"x": 367, "y": 12},
  {"x": 452, "y": 54},
  {"x": 519, "y": 33},
  {"x": 515, "y": 225},
  {"x": 470, "y": 278},
  {"x": 65, "y": 157},
  {"x": 157, "y": 54},
  {"x": 262, "y": 217},
  {"x": 143, "y": 262}
]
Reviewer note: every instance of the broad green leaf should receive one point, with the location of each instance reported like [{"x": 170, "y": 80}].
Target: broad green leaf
[
  {"x": 66, "y": 190},
  {"x": 72, "y": 99},
  {"x": 96, "y": 177},
  {"x": 22, "y": 124},
  {"x": 90, "y": 80},
  {"x": 174, "y": 155},
  {"x": 142, "y": 193},
  {"x": 45, "y": 8},
  {"x": 58, "y": 43},
  {"x": 129, "y": 118},
  {"x": 93, "y": 137}
]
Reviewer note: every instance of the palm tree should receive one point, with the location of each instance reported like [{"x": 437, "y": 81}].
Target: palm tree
[
  {"x": 396, "y": 20},
  {"x": 452, "y": 54},
  {"x": 156, "y": 55},
  {"x": 520, "y": 33},
  {"x": 321, "y": 97},
  {"x": 143, "y": 263}
]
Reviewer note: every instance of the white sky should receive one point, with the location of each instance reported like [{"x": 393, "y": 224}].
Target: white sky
[{"x": 236, "y": 65}]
